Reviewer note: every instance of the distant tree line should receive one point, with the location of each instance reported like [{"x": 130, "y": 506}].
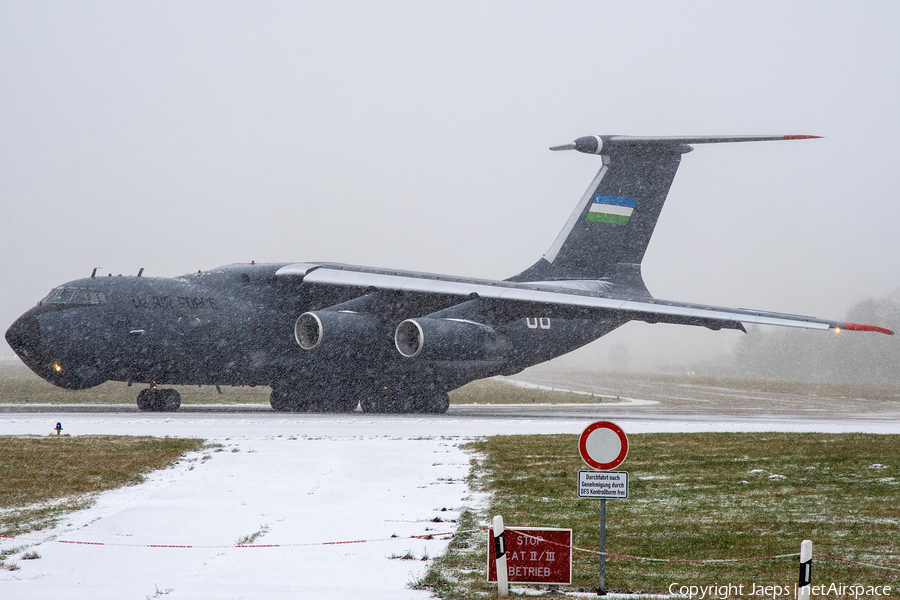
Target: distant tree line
[{"x": 845, "y": 357}]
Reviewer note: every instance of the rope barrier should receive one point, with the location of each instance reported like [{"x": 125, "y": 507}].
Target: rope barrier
[
  {"x": 699, "y": 560},
  {"x": 428, "y": 536},
  {"x": 856, "y": 562},
  {"x": 687, "y": 560},
  {"x": 647, "y": 558}
]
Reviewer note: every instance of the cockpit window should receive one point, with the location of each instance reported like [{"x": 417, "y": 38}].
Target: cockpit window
[{"x": 74, "y": 296}]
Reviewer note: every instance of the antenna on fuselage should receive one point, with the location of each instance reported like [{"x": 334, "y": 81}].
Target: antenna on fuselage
[
  {"x": 94, "y": 272},
  {"x": 141, "y": 272}
]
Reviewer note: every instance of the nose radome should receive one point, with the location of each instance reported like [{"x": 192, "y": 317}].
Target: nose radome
[{"x": 24, "y": 337}]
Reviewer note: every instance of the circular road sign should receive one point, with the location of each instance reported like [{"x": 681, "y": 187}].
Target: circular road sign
[{"x": 603, "y": 445}]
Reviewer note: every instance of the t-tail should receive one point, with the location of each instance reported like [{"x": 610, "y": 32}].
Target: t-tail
[{"x": 607, "y": 234}]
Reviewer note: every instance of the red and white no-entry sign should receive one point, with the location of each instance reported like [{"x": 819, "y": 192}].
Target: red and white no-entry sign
[{"x": 603, "y": 445}]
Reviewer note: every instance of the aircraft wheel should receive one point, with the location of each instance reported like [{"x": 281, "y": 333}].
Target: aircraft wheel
[
  {"x": 289, "y": 400},
  {"x": 437, "y": 404},
  {"x": 387, "y": 403},
  {"x": 281, "y": 401},
  {"x": 156, "y": 400},
  {"x": 333, "y": 397},
  {"x": 347, "y": 403},
  {"x": 169, "y": 400},
  {"x": 146, "y": 399}
]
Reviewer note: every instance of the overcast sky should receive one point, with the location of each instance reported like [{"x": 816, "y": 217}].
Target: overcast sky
[{"x": 178, "y": 136}]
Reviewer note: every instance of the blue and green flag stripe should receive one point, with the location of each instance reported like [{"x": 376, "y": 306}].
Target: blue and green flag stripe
[{"x": 611, "y": 209}]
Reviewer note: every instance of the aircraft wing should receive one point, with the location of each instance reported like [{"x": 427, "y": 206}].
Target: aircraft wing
[{"x": 559, "y": 297}]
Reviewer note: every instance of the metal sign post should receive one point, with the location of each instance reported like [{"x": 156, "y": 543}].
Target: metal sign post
[
  {"x": 603, "y": 446},
  {"x": 601, "y": 589}
]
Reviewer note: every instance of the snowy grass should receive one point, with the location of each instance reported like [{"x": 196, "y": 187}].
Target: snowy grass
[
  {"x": 247, "y": 540},
  {"x": 694, "y": 496},
  {"x": 45, "y": 477},
  {"x": 458, "y": 572}
]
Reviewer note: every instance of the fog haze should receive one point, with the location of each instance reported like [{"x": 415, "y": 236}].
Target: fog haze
[{"x": 182, "y": 136}]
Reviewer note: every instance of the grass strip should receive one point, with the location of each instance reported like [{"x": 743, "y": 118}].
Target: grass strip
[
  {"x": 696, "y": 496},
  {"x": 495, "y": 391},
  {"x": 43, "y": 478}
]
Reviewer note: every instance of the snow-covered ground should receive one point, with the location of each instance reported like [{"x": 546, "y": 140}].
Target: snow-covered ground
[
  {"x": 304, "y": 481},
  {"x": 301, "y": 480}
]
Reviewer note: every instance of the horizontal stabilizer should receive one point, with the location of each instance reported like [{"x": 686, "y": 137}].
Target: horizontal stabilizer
[{"x": 601, "y": 144}]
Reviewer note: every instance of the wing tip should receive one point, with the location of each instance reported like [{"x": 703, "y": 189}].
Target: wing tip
[
  {"x": 803, "y": 137},
  {"x": 861, "y": 327}
]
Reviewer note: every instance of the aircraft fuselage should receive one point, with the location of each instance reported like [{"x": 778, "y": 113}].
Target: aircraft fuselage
[{"x": 235, "y": 326}]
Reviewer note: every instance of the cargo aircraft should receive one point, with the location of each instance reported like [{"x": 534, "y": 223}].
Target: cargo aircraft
[{"x": 332, "y": 337}]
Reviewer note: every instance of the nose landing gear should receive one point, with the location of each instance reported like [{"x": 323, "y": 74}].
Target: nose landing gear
[{"x": 156, "y": 400}]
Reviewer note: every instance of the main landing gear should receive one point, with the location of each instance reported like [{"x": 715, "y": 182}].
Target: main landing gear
[
  {"x": 401, "y": 403},
  {"x": 156, "y": 400},
  {"x": 285, "y": 399}
]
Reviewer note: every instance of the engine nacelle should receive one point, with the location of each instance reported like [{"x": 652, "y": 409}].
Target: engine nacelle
[
  {"x": 449, "y": 339},
  {"x": 341, "y": 331}
]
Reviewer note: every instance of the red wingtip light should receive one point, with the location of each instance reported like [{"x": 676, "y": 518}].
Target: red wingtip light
[
  {"x": 860, "y": 327},
  {"x": 803, "y": 137}
]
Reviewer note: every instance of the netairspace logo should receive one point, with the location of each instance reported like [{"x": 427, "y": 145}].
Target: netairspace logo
[{"x": 725, "y": 591}]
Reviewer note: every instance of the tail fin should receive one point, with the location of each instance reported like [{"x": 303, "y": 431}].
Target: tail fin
[{"x": 608, "y": 232}]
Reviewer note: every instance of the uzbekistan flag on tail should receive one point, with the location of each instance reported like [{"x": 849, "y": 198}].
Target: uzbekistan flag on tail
[{"x": 611, "y": 209}]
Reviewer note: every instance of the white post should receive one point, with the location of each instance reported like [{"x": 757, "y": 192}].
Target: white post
[
  {"x": 500, "y": 552},
  {"x": 805, "y": 570}
]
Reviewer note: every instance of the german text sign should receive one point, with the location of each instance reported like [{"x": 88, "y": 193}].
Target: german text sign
[
  {"x": 602, "y": 485},
  {"x": 534, "y": 555}
]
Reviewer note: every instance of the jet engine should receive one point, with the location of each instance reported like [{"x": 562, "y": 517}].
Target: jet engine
[
  {"x": 341, "y": 331},
  {"x": 449, "y": 339}
]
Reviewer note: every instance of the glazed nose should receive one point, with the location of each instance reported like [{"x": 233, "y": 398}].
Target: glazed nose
[{"x": 24, "y": 336}]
